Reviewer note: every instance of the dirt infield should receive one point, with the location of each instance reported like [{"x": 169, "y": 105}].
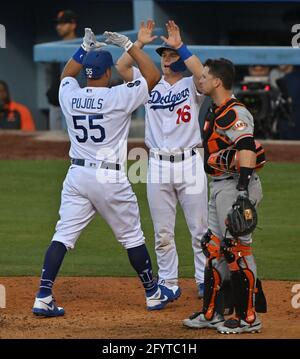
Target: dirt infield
[
  {"x": 44, "y": 145},
  {"x": 115, "y": 308}
]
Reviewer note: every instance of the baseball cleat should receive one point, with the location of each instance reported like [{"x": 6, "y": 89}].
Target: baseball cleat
[
  {"x": 162, "y": 297},
  {"x": 237, "y": 326},
  {"x": 200, "y": 290},
  {"x": 46, "y": 307},
  {"x": 198, "y": 320}
]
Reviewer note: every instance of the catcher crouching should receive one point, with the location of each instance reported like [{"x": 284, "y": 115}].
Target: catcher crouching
[{"x": 232, "y": 158}]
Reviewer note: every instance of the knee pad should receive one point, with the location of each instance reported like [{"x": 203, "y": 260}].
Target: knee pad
[
  {"x": 233, "y": 251},
  {"x": 210, "y": 245}
]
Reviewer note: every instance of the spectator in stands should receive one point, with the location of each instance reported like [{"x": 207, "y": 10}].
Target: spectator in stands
[
  {"x": 259, "y": 71},
  {"x": 279, "y": 72},
  {"x": 13, "y": 115},
  {"x": 289, "y": 85},
  {"x": 66, "y": 24}
]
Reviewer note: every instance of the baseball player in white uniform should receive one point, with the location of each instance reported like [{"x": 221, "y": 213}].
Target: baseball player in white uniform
[
  {"x": 173, "y": 135},
  {"x": 98, "y": 120}
]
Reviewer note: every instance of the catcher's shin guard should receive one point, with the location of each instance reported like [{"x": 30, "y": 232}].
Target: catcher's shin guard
[
  {"x": 217, "y": 297},
  {"x": 242, "y": 278},
  {"x": 212, "y": 300},
  {"x": 243, "y": 286}
]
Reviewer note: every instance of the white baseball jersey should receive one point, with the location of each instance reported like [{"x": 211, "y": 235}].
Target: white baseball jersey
[
  {"x": 172, "y": 115},
  {"x": 172, "y": 126},
  {"x": 98, "y": 118}
]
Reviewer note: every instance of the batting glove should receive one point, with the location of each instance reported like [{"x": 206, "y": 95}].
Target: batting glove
[
  {"x": 89, "y": 41},
  {"x": 118, "y": 40}
]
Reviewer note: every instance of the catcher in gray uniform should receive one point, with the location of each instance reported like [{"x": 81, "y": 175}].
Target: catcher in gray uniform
[{"x": 232, "y": 157}]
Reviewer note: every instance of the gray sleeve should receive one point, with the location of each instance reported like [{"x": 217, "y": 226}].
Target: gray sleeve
[{"x": 243, "y": 126}]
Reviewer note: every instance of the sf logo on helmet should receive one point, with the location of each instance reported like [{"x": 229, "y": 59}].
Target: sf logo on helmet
[{"x": 89, "y": 72}]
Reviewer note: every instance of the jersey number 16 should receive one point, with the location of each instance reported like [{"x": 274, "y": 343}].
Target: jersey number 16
[
  {"x": 184, "y": 115},
  {"x": 92, "y": 126}
]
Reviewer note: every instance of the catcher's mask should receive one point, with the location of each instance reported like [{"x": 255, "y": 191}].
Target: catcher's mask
[{"x": 227, "y": 160}]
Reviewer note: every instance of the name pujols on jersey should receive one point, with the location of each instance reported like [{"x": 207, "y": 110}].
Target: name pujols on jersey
[{"x": 87, "y": 103}]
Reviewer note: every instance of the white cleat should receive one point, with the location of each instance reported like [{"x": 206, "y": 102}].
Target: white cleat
[
  {"x": 46, "y": 307},
  {"x": 162, "y": 297}
]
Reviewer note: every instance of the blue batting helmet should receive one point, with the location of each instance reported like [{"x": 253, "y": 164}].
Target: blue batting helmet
[
  {"x": 179, "y": 65},
  {"x": 96, "y": 62},
  {"x": 163, "y": 47}
]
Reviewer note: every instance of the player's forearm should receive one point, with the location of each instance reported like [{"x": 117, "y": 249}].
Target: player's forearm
[
  {"x": 74, "y": 65},
  {"x": 247, "y": 159},
  {"x": 147, "y": 67},
  {"x": 247, "y": 162},
  {"x": 72, "y": 69},
  {"x": 192, "y": 62},
  {"x": 195, "y": 66},
  {"x": 125, "y": 63}
]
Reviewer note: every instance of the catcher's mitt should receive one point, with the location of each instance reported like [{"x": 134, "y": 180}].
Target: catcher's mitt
[{"x": 242, "y": 218}]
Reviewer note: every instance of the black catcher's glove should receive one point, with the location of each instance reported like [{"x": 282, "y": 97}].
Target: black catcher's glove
[{"x": 242, "y": 218}]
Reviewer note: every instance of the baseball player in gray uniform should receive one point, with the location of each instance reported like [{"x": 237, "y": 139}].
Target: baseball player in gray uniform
[
  {"x": 98, "y": 119},
  {"x": 175, "y": 172},
  {"x": 231, "y": 157}
]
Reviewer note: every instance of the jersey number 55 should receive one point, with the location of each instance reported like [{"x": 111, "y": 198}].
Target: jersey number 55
[{"x": 91, "y": 125}]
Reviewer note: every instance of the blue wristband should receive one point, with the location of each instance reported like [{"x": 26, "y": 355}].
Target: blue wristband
[
  {"x": 79, "y": 55},
  {"x": 184, "y": 52}
]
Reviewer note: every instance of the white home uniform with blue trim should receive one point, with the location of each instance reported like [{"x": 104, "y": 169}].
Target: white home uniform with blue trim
[
  {"x": 98, "y": 120},
  {"x": 175, "y": 172}
]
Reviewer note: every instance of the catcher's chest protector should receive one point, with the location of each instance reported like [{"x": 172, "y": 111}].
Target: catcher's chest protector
[
  {"x": 218, "y": 120},
  {"x": 213, "y": 141}
]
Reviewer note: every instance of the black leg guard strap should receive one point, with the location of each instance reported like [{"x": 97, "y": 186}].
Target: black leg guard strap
[{"x": 260, "y": 299}]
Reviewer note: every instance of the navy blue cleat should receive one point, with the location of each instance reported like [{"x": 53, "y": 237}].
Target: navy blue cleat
[
  {"x": 162, "y": 297},
  {"x": 46, "y": 307},
  {"x": 200, "y": 290}
]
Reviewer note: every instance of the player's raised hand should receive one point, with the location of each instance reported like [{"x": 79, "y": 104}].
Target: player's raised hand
[
  {"x": 145, "y": 32},
  {"x": 174, "y": 38},
  {"x": 117, "y": 39},
  {"x": 89, "y": 41}
]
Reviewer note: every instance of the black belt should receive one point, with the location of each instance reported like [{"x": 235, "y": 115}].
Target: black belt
[
  {"x": 102, "y": 164},
  {"x": 175, "y": 158},
  {"x": 222, "y": 179}
]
